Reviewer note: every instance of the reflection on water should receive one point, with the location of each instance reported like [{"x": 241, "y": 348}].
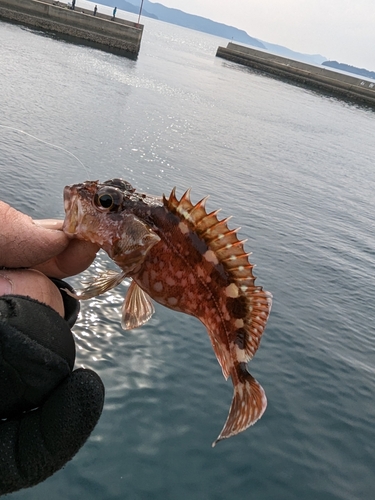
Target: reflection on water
[{"x": 296, "y": 172}]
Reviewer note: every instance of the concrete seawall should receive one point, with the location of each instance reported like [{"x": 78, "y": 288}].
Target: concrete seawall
[
  {"x": 118, "y": 36},
  {"x": 317, "y": 77}
]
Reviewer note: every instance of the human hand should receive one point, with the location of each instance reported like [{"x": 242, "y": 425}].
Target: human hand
[
  {"x": 37, "y": 352},
  {"x": 43, "y": 248}
]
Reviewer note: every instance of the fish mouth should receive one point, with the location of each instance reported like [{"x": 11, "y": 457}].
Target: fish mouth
[{"x": 71, "y": 208}]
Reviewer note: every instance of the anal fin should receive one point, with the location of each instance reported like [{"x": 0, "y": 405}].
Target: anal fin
[
  {"x": 137, "y": 308},
  {"x": 248, "y": 404}
]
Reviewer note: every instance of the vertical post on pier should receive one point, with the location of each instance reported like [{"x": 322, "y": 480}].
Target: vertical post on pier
[{"x": 140, "y": 11}]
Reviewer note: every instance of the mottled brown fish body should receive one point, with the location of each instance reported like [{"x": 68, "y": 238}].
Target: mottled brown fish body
[
  {"x": 189, "y": 261},
  {"x": 176, "y": 275}
]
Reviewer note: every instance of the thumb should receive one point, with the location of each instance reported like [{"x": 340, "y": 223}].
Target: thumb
[{"x": 26, "y": 243}]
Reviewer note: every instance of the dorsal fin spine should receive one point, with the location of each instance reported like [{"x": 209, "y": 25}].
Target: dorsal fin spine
[
  {"x": 186, "y": 196},
  {"x": 198, "y": 212},
  {"x": 230, "y": 252},
  {"x": 224, "y": 242},
  {"x": 171, "y": 203}
]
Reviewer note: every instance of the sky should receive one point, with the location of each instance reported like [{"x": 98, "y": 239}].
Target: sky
[{"x": 341, "y": 30}]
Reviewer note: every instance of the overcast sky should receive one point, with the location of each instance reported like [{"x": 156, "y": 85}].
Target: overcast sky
[{"x": 342, "y": 30}]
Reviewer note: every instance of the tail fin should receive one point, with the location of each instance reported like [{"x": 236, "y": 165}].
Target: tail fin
[{"x": 248, "y": 404}]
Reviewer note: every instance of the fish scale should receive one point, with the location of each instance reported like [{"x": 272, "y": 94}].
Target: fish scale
[{"x": 187, "y": 260}]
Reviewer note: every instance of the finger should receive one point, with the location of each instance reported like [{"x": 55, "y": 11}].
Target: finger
[
  {"x": 50, "y": 223},
  {"x": 34, "y": 284},
  {"x": 24, "y": 243},
  {"x": 76, "y": 257}
]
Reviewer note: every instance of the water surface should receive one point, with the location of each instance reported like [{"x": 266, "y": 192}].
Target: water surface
[{"x": 295, "y": 169}]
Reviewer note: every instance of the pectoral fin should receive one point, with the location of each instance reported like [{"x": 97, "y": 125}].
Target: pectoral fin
[
  {"x": 106, "y": 281},
  {"x": 137, "y": 308},
  {"x": 131, "y": 249}
]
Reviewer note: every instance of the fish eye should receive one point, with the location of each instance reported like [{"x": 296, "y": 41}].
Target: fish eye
[
  {"x": 105, "y": 201},
  {"x": 108, "y": 200}
]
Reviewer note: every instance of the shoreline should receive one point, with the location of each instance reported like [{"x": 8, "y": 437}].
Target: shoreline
[
  {"x": 348, "y": 87},
  {"x": 80, "y": 26}
]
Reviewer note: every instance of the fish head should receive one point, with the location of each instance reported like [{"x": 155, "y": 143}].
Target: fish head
[
  {"x": 102, "y": 213},
  {"x": 93, "y": 209}
]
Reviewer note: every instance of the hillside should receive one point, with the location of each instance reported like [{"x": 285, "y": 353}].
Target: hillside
[
  {"x": 350, "y": 69},
  {"x": 129, "y": 7},
  {"x": 175, "y": 16},
  {"x": 291, "y": 54}
]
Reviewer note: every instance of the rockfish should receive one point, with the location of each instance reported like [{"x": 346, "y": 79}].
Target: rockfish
[{"x": 187, "y": 260}]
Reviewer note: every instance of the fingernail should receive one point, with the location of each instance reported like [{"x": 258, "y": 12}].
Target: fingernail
[
  {"x": 6, "y": 285},
  {"x": 49, "y": 223}
]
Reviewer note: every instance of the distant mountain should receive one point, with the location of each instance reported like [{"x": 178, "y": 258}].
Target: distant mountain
[
  {"x": 129, "y": 7},
  {"x": 350, "y": 69},
  {"x": 175, "y": 16},
  {"x": 291, "y": 54}
]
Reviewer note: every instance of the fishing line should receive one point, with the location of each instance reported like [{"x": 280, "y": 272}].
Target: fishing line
[{"x": 48, "y": 144}]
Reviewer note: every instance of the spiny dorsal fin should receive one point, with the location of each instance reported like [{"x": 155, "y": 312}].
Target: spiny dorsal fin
[
  {"x": 216, "y": 234},
  {"x": 229, "y": 251}
]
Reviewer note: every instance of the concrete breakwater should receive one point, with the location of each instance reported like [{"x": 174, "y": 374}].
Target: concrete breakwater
[
  {"x": 317, "y": 77},
  {"x": 118, "y": 36}
]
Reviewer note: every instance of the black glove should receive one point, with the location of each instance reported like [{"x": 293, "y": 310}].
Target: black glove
[{"x": 37, "y": 354}]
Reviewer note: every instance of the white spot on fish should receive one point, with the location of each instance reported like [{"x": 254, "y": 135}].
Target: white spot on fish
[
  {"x": 239, "y": 323},
  {"x": 232, "y": 291},
  {"x": 183, "y": 212},
  {"x": 240, "y": 354},
  {"x": 172, "y": 301},
  {"x": 210, "y": 256},
  {"x": 200, "y": 272},
  {"x": 158, "y": 286},
  {"x": 183, "y": 227},
  {"x": 170, "y": 281}
]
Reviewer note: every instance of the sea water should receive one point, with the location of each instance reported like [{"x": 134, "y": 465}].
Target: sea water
[{"x": 296, "y": 171}]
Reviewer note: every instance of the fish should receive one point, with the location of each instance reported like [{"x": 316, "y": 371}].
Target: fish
[{"x": 187, "y": 259}]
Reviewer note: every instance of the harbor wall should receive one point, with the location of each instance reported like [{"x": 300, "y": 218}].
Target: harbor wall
[
  {"x": 317, "y": 77},
  {"x": 122, "y": 37}
]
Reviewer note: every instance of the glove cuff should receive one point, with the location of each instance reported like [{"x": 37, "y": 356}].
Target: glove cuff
[{"x": 71, "y": 305}]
